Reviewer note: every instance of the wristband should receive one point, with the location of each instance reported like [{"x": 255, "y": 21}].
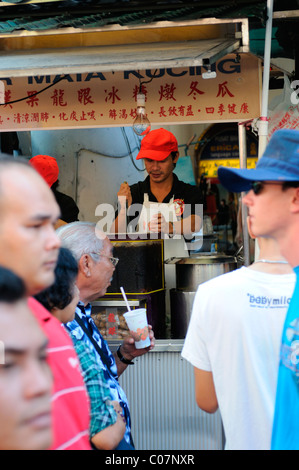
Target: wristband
[{"x": 122, "y": 359}]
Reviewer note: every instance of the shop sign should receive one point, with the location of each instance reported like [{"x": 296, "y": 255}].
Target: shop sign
[
  {"x": 221, "y": 148},
  {"x": 179, "y": 95}
]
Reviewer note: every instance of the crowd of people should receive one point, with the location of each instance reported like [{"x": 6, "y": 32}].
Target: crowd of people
[
  {"x": 54, "y": 393},
  {"x": 59, "y": 386}
]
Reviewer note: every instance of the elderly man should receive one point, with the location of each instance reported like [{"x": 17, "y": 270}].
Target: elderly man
[
  {"x": 25, "y": 378},
  {"x": 93, "y": 251},
  {"x": 273, "y": 206},
  {"x": 30, "y": 247}
]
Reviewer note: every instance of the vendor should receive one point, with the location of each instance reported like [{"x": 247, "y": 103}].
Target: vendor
[{"x": 167, "y": 205}]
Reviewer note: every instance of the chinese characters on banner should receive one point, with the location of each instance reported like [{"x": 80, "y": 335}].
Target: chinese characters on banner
[{"x": 109, "y": 99}]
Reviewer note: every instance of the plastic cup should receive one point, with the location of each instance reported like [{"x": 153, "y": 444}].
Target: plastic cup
[{"x": 138, "y": 326}]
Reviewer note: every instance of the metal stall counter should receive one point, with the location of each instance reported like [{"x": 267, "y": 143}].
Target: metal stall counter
[{"x": 160, "y": 389}]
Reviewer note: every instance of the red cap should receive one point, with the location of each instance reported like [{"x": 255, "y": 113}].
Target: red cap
[
  {"x": 47, "y": 167},
  {"x": 157, "y": 145}
]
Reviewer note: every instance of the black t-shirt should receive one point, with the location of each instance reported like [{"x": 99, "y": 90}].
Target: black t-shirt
[
  {"x": 68, "y": 207},
  {"x": 185, "y": 196}
]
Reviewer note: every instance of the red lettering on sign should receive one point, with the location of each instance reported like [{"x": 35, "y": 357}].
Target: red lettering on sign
[
  {"x": 194, "y": 90},
  {"x": 167, "y": 92},
  {"x": 223, "y": 90},
  {"x": 112, "y": 95},
  {"x": 58, "y": 98},
  {"x": 33, "y": 100},
  {"x": 84, "y": 96}
]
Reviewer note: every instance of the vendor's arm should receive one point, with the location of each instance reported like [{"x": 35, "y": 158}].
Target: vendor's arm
[
  {"x": 205, "y": 393},
  {"x": 129, "y": 351},
  {"x": 124, "y": 202}
]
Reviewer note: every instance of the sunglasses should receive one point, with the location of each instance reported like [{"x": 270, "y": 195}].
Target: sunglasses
[{"x": 258, "y": 186}]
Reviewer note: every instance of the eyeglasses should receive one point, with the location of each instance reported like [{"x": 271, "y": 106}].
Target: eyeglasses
[
  {"x": 258, "y": 186},
  {"x": 112, "y": 260}
]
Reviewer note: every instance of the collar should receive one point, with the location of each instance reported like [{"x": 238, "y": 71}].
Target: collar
[
  {"x": 172, "y": 191},
  {"x": 43, "y": 314},
  {"x": 84, "y": 310}
]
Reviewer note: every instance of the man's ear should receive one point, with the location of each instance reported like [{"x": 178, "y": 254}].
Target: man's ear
[
  {"x": 295, "y": 201},
  {"x": 176, "y": 157},
  {"x": 249, "y": 229},
  {"x": 84, "y": 265}
]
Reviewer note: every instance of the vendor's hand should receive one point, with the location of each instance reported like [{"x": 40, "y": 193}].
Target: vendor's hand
[
  {"x": 129, "y": 350},
  {"x": 158, "y": 224},
  {"x": 124, "y": 194}
]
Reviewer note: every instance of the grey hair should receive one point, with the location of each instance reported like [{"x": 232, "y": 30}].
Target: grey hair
[{"x": 81, "y": 238}]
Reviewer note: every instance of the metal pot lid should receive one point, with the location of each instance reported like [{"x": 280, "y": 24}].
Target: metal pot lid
[{"x": 203, "y": 259}]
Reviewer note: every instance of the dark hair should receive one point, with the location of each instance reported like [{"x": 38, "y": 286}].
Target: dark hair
[
  {"x": 290, "y": 184},
  {"x": 60, "y": 294},
  {"x": 173, "y": 156},
  {"x": 12, "y": 287}
]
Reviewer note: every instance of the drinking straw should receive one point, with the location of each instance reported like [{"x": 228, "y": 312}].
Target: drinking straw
[{"x": 125, "y": 299}]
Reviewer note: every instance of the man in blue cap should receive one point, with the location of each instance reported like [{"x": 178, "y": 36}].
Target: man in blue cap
[{"x": 273, "y": 206}]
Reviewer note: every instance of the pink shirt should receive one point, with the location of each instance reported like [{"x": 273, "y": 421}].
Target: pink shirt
[{"x": 70, "y": 403}]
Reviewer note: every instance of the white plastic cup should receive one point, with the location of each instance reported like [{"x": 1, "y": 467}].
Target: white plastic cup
[{"x": 138, "y": 326}]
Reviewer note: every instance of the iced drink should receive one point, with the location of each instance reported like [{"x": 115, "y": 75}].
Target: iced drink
[{"x": 137, "y": 324}]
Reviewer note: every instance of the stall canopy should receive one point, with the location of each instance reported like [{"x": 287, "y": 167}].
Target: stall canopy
[
  {"x": 115, "y": 58},
  {"x": 50, "y": 38}
]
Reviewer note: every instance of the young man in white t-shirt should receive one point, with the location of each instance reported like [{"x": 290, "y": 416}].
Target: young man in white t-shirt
[{"x": 233, "y": 342}]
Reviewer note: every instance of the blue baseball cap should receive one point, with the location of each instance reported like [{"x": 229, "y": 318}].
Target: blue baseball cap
[{"x": 280, "y": 162}]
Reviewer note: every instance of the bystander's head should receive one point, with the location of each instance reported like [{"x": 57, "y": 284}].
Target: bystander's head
[
  {"x": 62, "y": 297},
  {"x": 25, "y": 378},
  {"x": 28, "y": 213}
]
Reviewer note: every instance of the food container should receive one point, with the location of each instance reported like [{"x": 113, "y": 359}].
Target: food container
[
  {"x": 108, "y": 316},
  {"x": 190, "y": 272},
  {"x": 140, "y": 269}
]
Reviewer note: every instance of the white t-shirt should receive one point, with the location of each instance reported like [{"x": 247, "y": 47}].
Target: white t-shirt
[{"x": 235, "y": 332}]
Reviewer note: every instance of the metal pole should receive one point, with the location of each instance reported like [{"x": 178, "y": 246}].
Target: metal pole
[
  {"x": 243, "y": 164},
  {"x": 263, "y": 123}
]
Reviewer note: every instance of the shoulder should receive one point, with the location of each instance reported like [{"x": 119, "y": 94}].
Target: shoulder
[
  {"x": 187, "y": 190},
  {"x": 43, "y": 316},
  {"x": 140, "y": 185},
  {"x": 138, "y": 190},
  {"x": 38, "y": 310},
  {"x": 225, "y": 282},
  {"x": 52, "y": 327},
  {"x": 67, "y": 205},
  {"x": 63, "y": 197}
]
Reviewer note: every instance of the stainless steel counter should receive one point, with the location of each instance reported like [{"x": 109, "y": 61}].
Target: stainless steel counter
[
  {"x": 161, "y": 345},
  {"x": 160, "y": 390}
]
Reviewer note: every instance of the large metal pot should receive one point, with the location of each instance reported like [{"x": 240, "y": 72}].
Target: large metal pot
[{"x": 190, "y": 272}]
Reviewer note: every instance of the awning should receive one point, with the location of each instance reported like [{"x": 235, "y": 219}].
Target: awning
[{"x": 115, "y": 58}]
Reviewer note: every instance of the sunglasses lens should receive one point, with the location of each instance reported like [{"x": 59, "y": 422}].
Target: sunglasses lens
[{"x": 257, "y": 187}]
